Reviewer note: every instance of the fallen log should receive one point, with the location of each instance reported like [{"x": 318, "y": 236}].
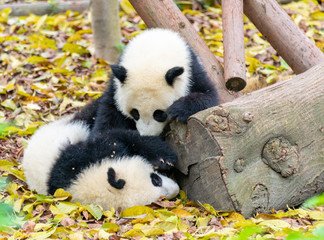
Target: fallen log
[
  {"x": 43, "y": 8},
  {"x": 262, "y": 151}
]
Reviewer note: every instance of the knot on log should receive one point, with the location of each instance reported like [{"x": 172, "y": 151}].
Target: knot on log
[
  {"x": 220, "y": 121},
  {"x": 260, "y": 198},
  {"x": 239, "y": 165},
  {"x": 281, "y": 156},
  {"x": 248, "y": 117}
]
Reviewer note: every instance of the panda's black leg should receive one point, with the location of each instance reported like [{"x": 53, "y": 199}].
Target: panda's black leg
[{"x": 188, "y": 105}]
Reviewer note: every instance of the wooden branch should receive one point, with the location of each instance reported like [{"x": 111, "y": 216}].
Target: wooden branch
[
  {"x": 261, "y": 151},
  {"x": 166, "y": 14},
  {"x": 233, "y": 42},
  {"x": 290, "y": 42},
  {"x": 43, "y": 8},
  {"x": 106, "y": 29}
]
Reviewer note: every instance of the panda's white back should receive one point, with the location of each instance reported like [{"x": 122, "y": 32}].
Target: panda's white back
[{"x": 45, "y": 147}]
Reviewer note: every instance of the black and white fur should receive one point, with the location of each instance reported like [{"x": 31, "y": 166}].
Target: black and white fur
[
  {"x": 112, "y": 168},
  {"x": 158, "y": 78}
]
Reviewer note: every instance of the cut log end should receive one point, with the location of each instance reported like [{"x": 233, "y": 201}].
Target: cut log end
[{"x": 235, "y": 84}]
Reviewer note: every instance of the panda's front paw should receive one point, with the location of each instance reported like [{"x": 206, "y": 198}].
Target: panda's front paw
[
  {"x": 164, "y": 164},
  {"x": 179, "y": 111}
]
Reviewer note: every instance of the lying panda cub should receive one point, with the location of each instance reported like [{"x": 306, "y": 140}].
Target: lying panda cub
[
  {"x": 112, "y": 168},
  {"x": 158, "y": 78}
]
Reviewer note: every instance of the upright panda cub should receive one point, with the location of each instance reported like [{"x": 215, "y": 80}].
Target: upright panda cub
[
  {"x": 158, "y": 78},
  {"x": 111, "y": 168}
]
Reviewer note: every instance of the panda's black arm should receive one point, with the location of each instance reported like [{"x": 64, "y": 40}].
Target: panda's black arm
[
  {"x": 190, "y": 104},
  {"x": 88, "y": 113},
  {"x": 152, "y": 148},
  {"x": 108, "y": 116}
]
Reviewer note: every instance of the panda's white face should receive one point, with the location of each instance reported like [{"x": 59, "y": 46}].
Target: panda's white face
[
  {"x": 142, "y": 184},
  {"x": 154, "y": 71},
  {"x": 146, "y": 105}
]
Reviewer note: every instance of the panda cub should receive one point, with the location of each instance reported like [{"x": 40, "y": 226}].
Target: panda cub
[
  {"x": 111, "y": 168},
  {"x": 158, "y": 78}
]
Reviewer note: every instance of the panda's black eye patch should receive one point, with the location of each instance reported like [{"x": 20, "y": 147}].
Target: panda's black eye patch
[
  {"x": 160, "y": 116},
  {"x": 135, "y": 114},
  {"x": 156, "y": 180}
]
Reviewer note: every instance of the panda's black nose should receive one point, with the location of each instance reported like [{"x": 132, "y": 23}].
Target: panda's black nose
[{"x": 156, "y": 180}]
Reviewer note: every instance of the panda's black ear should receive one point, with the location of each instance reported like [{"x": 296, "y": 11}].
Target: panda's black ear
[
  {"x": 112, "y": 179},
  {"x": 172, "y": 74},
  {"x": 119, "y": 72}
]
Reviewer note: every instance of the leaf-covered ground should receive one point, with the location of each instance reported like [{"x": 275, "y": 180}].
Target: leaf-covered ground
[{"x": 47, "y": 69}]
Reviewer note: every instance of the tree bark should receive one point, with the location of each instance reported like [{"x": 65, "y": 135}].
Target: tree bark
[
  {"x": 259, "y": 152},
  {"x": 106, "y": 29},
  {"x": 283, "y": 34},
  {"x": 233, "y": 42},
  {"x": 43, "y": 8},
  {"x": 166, "y": 14}
]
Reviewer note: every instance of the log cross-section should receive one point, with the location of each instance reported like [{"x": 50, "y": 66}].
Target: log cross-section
[{"x": 262, "y": 151}]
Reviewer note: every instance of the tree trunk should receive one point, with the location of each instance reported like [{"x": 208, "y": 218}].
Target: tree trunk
[
  {"x": 106, "y": 29},
  {"x": 283, "y": 34},
  {"x": 233, "y": 39},
  {"x": 166, "y": 14},
  {"x": 43, "y": 8},
  {"x": 259, "y": 152}
]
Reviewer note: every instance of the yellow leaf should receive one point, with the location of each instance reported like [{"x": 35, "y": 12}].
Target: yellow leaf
[
  {"x": 61, "y": 194},
  {"x": 275, "y": 225},
  {"x": 234, "y": 217},
  {"x": 210, "y": 209},
  {"x": 202, "y": 221},
  {"x": 319, "y": 15},
  {"x": 181, "y": 212},
  {"x": 10, "y": 87},
  {"x": 183, "y": 195},
  {"x": 316, "y": 215},
  {"x": 66, "y": 207},
  {"x": 110, "y": 227},
  {"x": 36, "y": 59},
  {"x": 74, "y": 37},
  {"x": 136, "y": 210},
  {"x": 95, "y": 211},
  {"x": 151, "y": 231},
  {"x": 167, "y": 226},
  {"x": 21, "y": 91},
  {"x": 4, "y": 15},
  {"x": 43, "y": 235},
  {"x": 18, "y": 204},
  {"x": 74, "y": 48},
  {"x": 9, "y": 104},
  {"x": 133, "y": 233},
  {"x": 127, "y": 7},
  {"x": 40, "y": 22},
  {"x": 103, "y": 235},
  {"x": 77, "y": 236}
]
